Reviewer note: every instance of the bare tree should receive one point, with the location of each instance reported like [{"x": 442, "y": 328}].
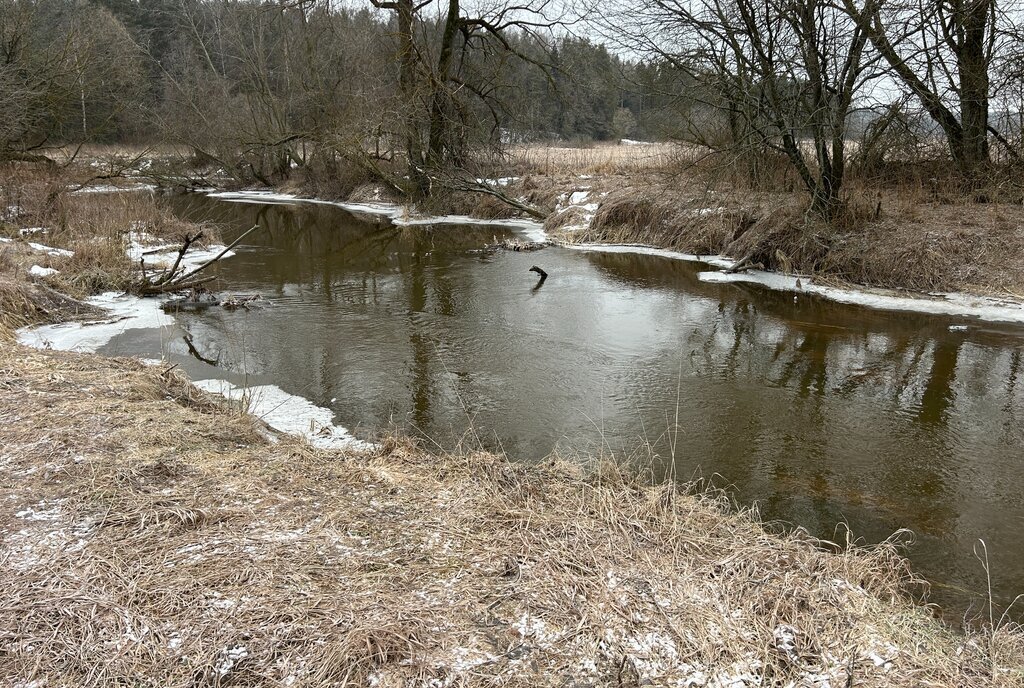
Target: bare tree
[
  {"x": 779, "y": 75},
  {"x": 436, "y": 40},
  {"x": 66, "y": 75},
  {"x": 944, "y": 52}
]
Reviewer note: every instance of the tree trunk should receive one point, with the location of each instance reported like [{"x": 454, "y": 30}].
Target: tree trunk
[
  {"x": 407, "y": 59},
  {"x": 967, "y": 136},
  {"x": 974, "y": 90},
  {"x": 439, "y": 124}
]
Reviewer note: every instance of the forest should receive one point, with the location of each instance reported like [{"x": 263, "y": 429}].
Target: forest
[{"x": 415, "y": 93}]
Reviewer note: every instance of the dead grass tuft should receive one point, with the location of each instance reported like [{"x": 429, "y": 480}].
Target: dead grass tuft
[{"x": 23, "y": 303}]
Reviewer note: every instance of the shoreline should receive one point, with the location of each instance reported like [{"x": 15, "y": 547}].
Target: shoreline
[
  {"x": 154, "y": 534},
  {"x": 953, "y": 304},
  {"x": 208, "y": 549}
]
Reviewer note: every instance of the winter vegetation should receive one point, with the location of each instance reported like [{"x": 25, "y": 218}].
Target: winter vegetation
[
  {"x": 163, "y": 537},
  {"x": 842, "y": 116}
]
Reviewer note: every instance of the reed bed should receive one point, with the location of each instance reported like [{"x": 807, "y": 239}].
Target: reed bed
[
  {"x": 598, "y": 158},
  {"x": 152, "y": 536},
  {"x": 47, "y": 208}
]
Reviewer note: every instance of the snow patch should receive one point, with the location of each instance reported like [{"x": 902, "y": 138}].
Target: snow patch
[
  {"x": 229, "y": 657},
  {"x": 716, "y": 261},
  {"x": 38, "y": 271},
  {"x": 110, "y": 188},
  {"x": 400, "y": 216},
  {"x": 145, "y": 247},
  {"x": 578, "y": 197},
  {"x": 50, "y": 251},
  {"x": 126, "y": 313},
  {"x": 956, "y": 304},
  {"x": 288, "y": 413}
]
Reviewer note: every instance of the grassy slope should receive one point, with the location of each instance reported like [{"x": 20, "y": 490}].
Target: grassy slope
[{"x": 153, "y": 537}]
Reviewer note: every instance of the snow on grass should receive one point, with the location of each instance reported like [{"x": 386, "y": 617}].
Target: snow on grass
[
  {"x": 576, "y": 202},
  {"x": 47, "y": 532},
  {"x": 26, "y": 231},
  {"x": 50, "y": 251},
  {"x": 110, "y": 188},
  {"x": 229, "y": 657},
  {"x": 39, "y": 271},
  {"x": 143, "y": 246},
  {"x": 286, "y": 412}
]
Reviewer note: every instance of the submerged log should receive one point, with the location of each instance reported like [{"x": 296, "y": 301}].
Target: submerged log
[{"x": 193, "y": 302}]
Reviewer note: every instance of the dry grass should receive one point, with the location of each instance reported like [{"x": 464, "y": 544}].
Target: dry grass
[
  {"x": 910, "y": 244},
  {"x": 94, "y": 226},
  {"x": 597, "y": 159},
  {"x": 152, "y": 537}
]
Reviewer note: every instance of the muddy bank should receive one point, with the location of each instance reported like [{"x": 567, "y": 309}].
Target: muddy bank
[{"x": 152, "y": 534}]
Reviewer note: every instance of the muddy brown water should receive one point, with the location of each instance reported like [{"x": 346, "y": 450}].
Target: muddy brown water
[{"x": 825, "y": 415}]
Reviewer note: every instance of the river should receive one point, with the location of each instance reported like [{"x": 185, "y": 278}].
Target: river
[{"x": 824, "y": 415}]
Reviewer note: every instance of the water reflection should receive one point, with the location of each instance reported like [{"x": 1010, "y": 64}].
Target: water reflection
[{"x": 823, "y": 414}]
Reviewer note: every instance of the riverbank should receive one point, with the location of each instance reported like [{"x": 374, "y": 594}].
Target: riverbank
[
  {"x": 903, "y": 244},
  {"x": 916, "y": 245},
  {"x": 153, "y": 534}
]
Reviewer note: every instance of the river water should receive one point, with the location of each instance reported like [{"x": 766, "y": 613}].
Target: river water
[{"x": 822, "y": 414}]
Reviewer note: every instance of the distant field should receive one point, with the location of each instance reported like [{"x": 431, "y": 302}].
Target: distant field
[{"x": 602, "y": 159}]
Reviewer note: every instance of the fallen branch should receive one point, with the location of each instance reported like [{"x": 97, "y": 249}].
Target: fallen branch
[
  {"x": 745, "y": 264},
  {"x": 180, "y": 280},
  {"x": 169, "y": 275},
  {"x": 532, "y": 211},
  {"x": 154, "y": 289}
]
